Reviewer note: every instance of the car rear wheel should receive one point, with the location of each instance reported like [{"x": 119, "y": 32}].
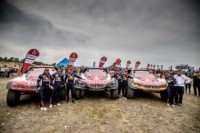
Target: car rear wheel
[
  {"x": 130, "y": 93},
  {"x": 114, "y": 94},
  {"x": 13, "y": 97},
  {"x": 163, "y": 95}
]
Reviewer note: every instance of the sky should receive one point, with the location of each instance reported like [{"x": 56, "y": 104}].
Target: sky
[{"x": 161, "y": 32}]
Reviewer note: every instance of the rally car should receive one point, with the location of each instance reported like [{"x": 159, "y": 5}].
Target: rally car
[
  {"x": 144, "y": 80},
  {"x": 96, "y": 79},
  {"x": 25, "y": 84}
]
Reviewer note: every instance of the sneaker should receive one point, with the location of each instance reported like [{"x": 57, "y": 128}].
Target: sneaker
[
  {"x": 173, "y": 105},
  {"x": 50, "y": 106},
  {"x": 125, "y": 98},
  {"x": 42, "y": 108},
  {"x": 180, "y": 104},
  {"x": 168, "y": 104},
  {"x": 58, "y": 104},
  {"x": 45, "y": 108}
]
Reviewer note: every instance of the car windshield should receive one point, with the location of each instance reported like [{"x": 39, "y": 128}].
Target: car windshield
[
  {"x": 143, "y": 74},
  {"x": 95, "y": 74},
  {"x": 35, "y": 72}
]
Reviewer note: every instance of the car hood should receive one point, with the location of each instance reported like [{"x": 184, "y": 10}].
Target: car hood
[
  {"x": 88, "y": 81},
  {"x": 26, "y": 81},
  {"x": 149, "y": 81}
]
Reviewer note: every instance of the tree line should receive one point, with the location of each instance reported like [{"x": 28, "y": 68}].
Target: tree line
[{"x": 17, "y": 60}]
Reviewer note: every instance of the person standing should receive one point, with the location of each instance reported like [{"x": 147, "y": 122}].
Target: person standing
[
  {"x": 180, "y": 80},
  {"x": 44, "y": 83},
  {"x": 118, "y": 76},
  {"x": 69, "y": 80},
  {"x": 58, "y": 84},
  {"x": 170, "y": 89},
  {"x": 195, "y": 82},
  {"x": 125, "y": 78}
]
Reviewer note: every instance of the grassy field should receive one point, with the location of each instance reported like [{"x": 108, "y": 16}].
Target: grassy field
[{"x": 97, "y": 113}]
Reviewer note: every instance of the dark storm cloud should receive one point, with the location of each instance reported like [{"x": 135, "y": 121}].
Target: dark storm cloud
[{"x": 154, "y": 31}]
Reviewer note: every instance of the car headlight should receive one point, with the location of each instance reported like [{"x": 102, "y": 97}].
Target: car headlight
[
  {"x": 17, "y": 85},
  {"x": 81, "y": 83},
  {"x": 112, "y": 83},
  {"x": 137, "y": 84}
]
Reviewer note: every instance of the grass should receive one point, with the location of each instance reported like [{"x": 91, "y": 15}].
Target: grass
[{"x": 100, "y": 114}]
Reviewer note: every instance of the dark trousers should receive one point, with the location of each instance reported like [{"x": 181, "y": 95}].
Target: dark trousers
[
  {"x": 124, "y": 90},
  {"x": 171, "y": 94},
  {"x": 70, "y": 86},
  {"x": 179, "y": 91},
  {"x": 119, "y": 87},
  {"x": 57, "y": 91},
  {"x": 43, "y": 96},
  {"x": 187, "y": 87}
]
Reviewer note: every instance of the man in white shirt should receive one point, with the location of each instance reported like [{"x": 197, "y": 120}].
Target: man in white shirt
[{"x": 180, "y": 80}]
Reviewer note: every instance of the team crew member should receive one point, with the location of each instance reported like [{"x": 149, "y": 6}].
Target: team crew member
[
  {"x": 180, "y": 81},
  {"x": 69, "y": 80},
  {"x": 171, "y": 92},
  {"x": 44, "y": 83},
  {"x": 58, "y": 84},
  {"x": 125, "y": 78},
  {"x": 118, "y": 76}
]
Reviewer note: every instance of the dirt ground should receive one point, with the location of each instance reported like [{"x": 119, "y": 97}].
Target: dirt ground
[{"x": 97, "y": 113}]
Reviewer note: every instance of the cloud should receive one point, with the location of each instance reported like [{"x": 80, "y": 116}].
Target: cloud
[{"x": 158, "y": 32}]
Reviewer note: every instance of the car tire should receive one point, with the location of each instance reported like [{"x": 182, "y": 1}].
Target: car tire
[
  {"x": 130, "y": 93},
  {"x": 13, "y": 97},
  {"x": 78, "y": 93},
  {"x": 114, "y": 94},
  {"x": 163, "y": 95},
  {"x": 82, "y": 93}
]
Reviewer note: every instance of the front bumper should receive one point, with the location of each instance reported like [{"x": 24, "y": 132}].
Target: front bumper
[
  {"x": 96, "y": 87},
  {"x": 148, "y": 89}
]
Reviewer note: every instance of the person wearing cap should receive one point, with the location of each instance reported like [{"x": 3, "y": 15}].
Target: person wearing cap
[
  {"x": 180, "y": 80},
  {"x": 44, "y": 82},
  {"x": 58, "y": 84},
  {"x": 118, "y": 75},
  {"x": 125, "y": 78},
  {"x": 69, "y": 80}
]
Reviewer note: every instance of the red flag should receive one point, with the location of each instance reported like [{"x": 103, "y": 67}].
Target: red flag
[
  {"x": 117, "y": 64},
  {"x": 29, "y": 59},
  {"x": 72, "y": 58},
  {"x": 137, "y": 64},
  {"x": 128, "y": 64},
  {"x": 102, "y": 61}
]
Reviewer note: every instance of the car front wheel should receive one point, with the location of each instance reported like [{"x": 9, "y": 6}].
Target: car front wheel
[{"x": 13, "y": 97}]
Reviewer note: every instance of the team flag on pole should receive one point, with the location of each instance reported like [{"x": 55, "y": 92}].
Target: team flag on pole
[
  {"x": 72, "y": 58},
  {"x": 137, "y": 64},
  {"x": 29, "y": 59},
  {"x": 102, "y": 61},
  {"x": 128, "y": 64}
]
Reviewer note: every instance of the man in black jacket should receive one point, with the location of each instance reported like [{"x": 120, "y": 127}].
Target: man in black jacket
[
  {"x": 118, "y": 75},
  {"x": 125, "y": 78},
  {"x": 58, "y": 84},
  {"x": 44, "y": 83},
  {"x": 69, "y": 80}
]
